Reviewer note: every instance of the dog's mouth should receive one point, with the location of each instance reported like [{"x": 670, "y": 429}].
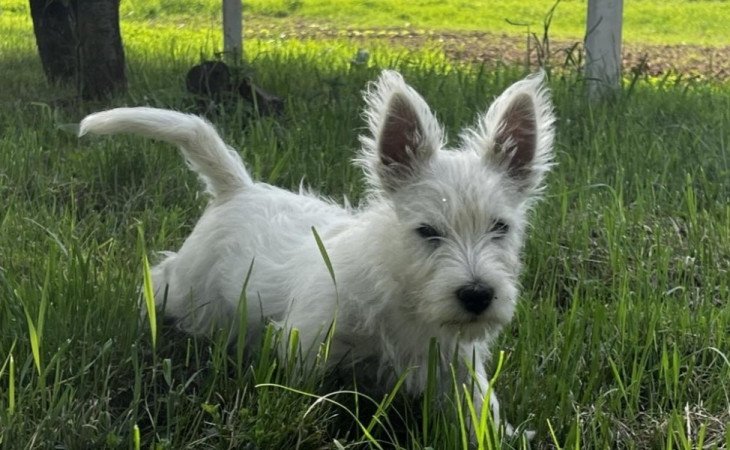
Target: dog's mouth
[
  {"x": 467, "y": 321},
  {"x": 472, "y": 322},
  {"x": 471, "y": 328}
]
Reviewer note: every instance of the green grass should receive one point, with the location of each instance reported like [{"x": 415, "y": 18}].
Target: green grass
[
  {"x": 622, "y": 338},
  {"x": 662, "y": 22},
  {"x": 698, "y": 22},
  {"x": 649, "y": 21},
  {"x": 668, "y": 22}
]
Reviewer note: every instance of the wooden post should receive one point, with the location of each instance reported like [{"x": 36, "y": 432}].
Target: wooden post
[
  {"x": 603, "y": 47},
  {"x": 233, "y": 29}
]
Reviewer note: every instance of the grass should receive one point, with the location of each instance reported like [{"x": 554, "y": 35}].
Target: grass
[
  {"x": 622, "y": 338},
  {"x": 694, "y": 22},
  {"x": 670, "y": 22}
]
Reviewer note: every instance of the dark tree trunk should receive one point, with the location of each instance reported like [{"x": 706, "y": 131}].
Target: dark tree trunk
[
  {"x": 54, "y": 36},
  {"x": 79, "y": 42},
  {"x": 101, "y": 53}
]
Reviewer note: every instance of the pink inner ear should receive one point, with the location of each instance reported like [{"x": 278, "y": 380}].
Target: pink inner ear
[
  {"x": 518, "y": 133},
  {"x": 401, "y": 133}
]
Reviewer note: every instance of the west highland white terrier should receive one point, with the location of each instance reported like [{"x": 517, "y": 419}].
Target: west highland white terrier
[{"x": 433, "y": 252}]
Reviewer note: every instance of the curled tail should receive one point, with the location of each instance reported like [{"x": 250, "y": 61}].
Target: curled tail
[{"x": 217, "y": 164}]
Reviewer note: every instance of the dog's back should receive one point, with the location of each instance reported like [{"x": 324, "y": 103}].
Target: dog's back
[{"x": 247, "y": 223}]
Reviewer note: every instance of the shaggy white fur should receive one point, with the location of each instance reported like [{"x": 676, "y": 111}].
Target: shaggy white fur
[{"x": 434, "y": 251}]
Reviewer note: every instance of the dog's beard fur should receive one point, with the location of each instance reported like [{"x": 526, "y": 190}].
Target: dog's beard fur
[{"x": 434, "y": 252}]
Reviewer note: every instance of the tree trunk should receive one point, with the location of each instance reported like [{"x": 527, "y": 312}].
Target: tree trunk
[
  {"x": 603, "y": 47},
  {"x": 101, "y": 53},
  {"x": 54, "y": 36},
  {"x": 79, "y": 42}
]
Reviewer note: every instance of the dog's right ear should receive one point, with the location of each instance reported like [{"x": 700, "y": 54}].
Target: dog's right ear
[
  {"x": 516, "y": 134},
  {"x": 404, "y": 134}
]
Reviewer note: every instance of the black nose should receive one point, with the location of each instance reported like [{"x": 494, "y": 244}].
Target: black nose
[{"x": 475, "y": 297}]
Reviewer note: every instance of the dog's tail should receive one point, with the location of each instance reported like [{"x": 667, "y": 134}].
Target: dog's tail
[{"x": 218, "y": 165}]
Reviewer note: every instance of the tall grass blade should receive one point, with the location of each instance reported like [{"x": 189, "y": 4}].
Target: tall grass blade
[
  {"x": 242, "y": 323},
  {"x": 325, "y": 350},
  {"x": 325, "y": 256},
  {"x": 149, "y": 299},
  {"x": 34, "y": 341},
  {"x": 136, "y": 439},
  {"x": 11, "y": 386},
  {"x": 553, "y": 436}
]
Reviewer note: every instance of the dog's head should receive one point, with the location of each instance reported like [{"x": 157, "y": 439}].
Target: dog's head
[{"x": 459, "y": 215}]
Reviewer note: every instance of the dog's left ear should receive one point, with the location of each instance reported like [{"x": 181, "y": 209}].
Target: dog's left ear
[
  {"x": 516, "y": 134},
  {"x": 404, "y": 134}
]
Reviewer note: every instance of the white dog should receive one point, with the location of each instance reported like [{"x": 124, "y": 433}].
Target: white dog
[{"x": 434, "y": 252}]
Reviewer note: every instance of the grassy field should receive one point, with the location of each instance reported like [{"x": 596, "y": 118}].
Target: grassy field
[
  {"x": 647, "y": 21},
  {"x": 622, "y": 338},
  {"x": 644, "y": 21},
  {"x": 698, "y": 22}
]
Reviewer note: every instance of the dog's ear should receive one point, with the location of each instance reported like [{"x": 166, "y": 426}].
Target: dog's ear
[
  {"x": 516, "y": 134},
  {"x": 404, "y": 134}
]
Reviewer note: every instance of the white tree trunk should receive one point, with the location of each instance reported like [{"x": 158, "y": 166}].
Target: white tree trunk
[
  {"x": 603, "y": 47},
  {"x": 233, "y": 29}
]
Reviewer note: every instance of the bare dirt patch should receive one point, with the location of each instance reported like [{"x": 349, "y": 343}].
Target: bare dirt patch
[{"x": 495, "y": 49}]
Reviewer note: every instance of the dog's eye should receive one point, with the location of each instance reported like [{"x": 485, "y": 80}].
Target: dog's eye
[
  {"x": 499, "y": 229},
  {"x": 429, "y": 233}
]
